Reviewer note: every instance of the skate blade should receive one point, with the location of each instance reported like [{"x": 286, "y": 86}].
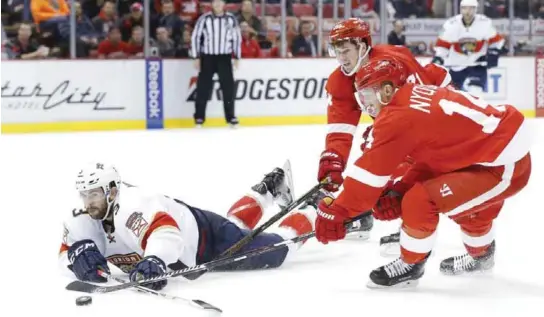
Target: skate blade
[
  {"x": 390, "y": 250},
  {"x": 403, "y": 285},
  {"x": 471, "y": 273},
  {"x": 284, "y": 201},
  {"x": 358, "y": 235}
]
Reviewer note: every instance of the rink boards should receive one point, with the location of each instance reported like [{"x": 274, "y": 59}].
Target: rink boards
[{"x": 50, "y": 96}]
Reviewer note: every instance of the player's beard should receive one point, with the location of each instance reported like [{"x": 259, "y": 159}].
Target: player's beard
[{"x": 97, "y": 213}]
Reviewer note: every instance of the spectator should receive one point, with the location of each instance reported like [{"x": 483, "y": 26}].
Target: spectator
[
  {"x": 396, "y": 36},
  {"x": 304, "y": 44},
  {"x": 135, "y": 18},
  {"x": 113, "y": 46},
  {"x": 136, "y": 42},
  {"x": 86, "y": 33},
  {"x": 106, "y": 19},
  {"x": 16, "y": 9},
  {"x": 51, "y": 16},
  {"x": 410, "y": 9},
  {"x": 185, "y": 46},
  {"x": 25, "y": 47},
  {"x": 170, "y": 20},
  {"x": 250, "y": 46},
  {"x": 91, "y": 8},
  {"x": 165, "y": 45},
  {"x": 189, "y": 11},
  {"x": 247, "y": 14}
]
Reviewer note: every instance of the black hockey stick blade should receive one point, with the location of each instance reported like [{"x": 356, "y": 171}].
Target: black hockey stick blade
[
  {"x": 204, "y": 305},
  {"x": 84, "y": 287}
]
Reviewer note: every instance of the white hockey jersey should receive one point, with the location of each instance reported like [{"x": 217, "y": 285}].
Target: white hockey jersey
[
  {"x": 460, "y": 46},
  {"x": 144, "y": 224}
]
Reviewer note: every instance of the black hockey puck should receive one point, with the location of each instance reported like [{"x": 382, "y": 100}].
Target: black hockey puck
[{"x": 84, "y": 300}]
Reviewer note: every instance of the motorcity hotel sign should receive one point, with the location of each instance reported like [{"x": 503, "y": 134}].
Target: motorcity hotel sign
[{"x": 52, "y": 95}]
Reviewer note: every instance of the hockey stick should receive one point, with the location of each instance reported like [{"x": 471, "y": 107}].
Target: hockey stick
[
  {"x": 245, "y": 240},
  {"x": 85, "y": 287},
  {"x": 193, "y": 302}
]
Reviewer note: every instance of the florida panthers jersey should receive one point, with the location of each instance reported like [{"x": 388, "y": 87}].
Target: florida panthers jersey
[
  {"x": 143, "y": 224},
  {"x": 461, "y": 45}
]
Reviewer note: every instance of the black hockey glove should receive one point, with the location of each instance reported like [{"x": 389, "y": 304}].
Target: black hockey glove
[
  {"x": 86, "y": 259},
  {"x": 149, "y": 267}
]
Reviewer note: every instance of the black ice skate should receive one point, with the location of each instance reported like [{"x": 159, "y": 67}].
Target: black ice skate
[
  {"x": 316, "y": 198},
  {"x": 397, "y": 274},
  {"x": 279, "y": 183},
  {"x": 360, "y": 229},
  {"x": 465, "y": 263},
  {"x": 390, "y": 245}
]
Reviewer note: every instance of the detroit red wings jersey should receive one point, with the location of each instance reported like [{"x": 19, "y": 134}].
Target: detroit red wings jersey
[
  {"x": 441, "y": 129},
  {"x": 145, "y": 224},
  {"x": 344, "y": 113},
  {"x": 460, "y": 46}
]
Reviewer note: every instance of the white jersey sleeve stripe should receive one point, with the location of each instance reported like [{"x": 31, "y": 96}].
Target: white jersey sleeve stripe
[
  {"x": 365, "y": 177},
  {"x": 342, "y": 128}
]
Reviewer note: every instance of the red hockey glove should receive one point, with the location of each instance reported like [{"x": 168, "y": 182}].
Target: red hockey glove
[
  {"x": 388, "y": 207},
  {"x": 331, "y": 165},
  {"x": 329, "y": 225}
]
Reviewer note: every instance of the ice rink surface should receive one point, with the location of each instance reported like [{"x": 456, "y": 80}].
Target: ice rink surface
[{"x": 211, "y": 169}]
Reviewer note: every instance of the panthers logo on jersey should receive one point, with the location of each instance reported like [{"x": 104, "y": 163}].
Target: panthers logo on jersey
[
  {"x": 468, "y": 45},
  {"x": 125, "y": 262}
]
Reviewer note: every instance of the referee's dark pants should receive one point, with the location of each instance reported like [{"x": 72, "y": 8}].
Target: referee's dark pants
[{"x": 209, "y": 65}]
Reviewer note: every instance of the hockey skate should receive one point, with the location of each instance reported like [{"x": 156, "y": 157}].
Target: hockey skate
[
  {"x": 390, "y": 245},
  {"x": 279, "y": 183},
  {"x": 457, "y": 265},
  {"x": 397, "y": 274},
  {"x": 360, "y": 229}
]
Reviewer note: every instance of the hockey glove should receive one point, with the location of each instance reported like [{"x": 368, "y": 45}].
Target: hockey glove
[
  {"x": 437, "y": 60},
  {"x": 149, "y": 267},
  {"x": 329, "y": 225},
  {"x": 493, "y": 57},
  {"x": 388, "y": 206},
  {"x": 331, "y": 165},
  {"x": 86, "y": 260}
]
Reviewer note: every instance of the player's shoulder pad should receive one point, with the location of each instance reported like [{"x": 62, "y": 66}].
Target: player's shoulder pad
[
  {"x": 80, "y": 225},
  {"x": 339, "y": 85},
  {"x": 451, "y": 22},
  {"x": 482, "y": 18}
]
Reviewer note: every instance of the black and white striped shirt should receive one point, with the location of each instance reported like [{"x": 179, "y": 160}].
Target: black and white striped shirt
[{"x": 216, "y": 35}]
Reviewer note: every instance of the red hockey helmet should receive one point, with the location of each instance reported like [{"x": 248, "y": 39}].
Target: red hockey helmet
[
  {"x": 351, "y": 29},
  {"x": 356, "y": 31},
  {"x": 372, "y": 76}
]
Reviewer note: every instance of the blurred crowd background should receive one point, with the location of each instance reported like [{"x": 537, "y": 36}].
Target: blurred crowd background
[{"x": 37, "y": 29}]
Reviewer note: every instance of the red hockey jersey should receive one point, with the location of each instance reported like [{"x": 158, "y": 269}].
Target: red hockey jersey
[
  {"x": 443, "y": 130},
  {"x": 343, "y": 112}
]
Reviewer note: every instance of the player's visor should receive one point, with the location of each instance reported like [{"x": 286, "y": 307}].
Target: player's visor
[
  {"x": 367, "y": 100},
  {"x": 92, "y": 195}
]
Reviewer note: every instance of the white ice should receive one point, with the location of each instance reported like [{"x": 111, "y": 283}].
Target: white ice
[{"x": 211, "y": 168}]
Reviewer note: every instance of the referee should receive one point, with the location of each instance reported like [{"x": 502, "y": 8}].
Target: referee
[{"x": 215, "y": 40}]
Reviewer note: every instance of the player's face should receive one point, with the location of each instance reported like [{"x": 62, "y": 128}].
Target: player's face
[
  {"x": 95, "y": 202},
  {"x": 468, "y": 13},
  {"x": 347, "y": 54},
  {"x": 368, "y": 100}
]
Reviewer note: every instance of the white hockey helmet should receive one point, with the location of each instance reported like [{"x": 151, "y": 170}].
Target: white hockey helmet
[
  {"x": 469, "y": 3},
  {"x": 99, "y": 175}
]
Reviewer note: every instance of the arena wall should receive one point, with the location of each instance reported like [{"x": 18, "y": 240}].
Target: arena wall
[{"x": 61, "y": 96}]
